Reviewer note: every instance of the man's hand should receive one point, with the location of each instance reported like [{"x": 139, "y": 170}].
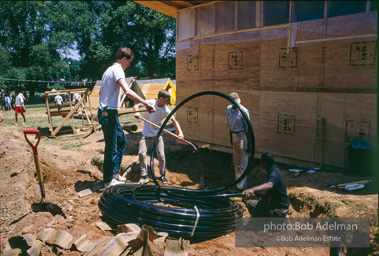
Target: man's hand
[
  {"x": 180, "y": 137},
  {"x": 248, "y": 193},
  {"x": 137, "y": 115},
  {"x": 150, "y": 108}
]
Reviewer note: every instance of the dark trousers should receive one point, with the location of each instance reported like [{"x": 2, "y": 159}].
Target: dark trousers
[
  {"x": 115, "y": 143},
  {"x": 262, "y": 208}
]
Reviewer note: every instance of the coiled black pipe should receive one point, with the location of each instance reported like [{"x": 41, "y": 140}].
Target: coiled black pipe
[
  {"x": 250, "y": 133},
  {"x": 215, "y": 217},
  {"x": 216, "y": 214}
]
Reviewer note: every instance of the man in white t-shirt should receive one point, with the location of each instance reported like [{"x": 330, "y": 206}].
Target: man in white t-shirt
[
  {"x": 149, "y": 133},
  {"x": 58, "y": 102},
  {"x": 115, "y": 140},
  {"x": 75, "y": 98}
]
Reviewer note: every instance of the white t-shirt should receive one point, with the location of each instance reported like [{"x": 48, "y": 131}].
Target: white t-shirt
[
  {"x": 110, "y": 90},
  {"x": 58, "y": 100},
  {"x": 19, "y": 100},
  {"x": 156, "y": 117},
  {"x": 76, "y": 97}
]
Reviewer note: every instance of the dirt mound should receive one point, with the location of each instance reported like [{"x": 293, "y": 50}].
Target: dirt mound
[{"x": 67, "y": 170}]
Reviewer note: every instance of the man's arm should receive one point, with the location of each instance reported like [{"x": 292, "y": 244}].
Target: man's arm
[
  {"x": 265, "y": 186},
  {"x": 136, "y": 107},
  {"x": 134, "y": 96},
  {"x": 177, "y": 128}
]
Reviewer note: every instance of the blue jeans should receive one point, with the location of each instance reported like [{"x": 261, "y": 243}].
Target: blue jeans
[{"x": 115, "y": 142}]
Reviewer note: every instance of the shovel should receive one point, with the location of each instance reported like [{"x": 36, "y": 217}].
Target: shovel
[
  {"x": 172, "y": 134},
  {"x": 43, "y": 205}
]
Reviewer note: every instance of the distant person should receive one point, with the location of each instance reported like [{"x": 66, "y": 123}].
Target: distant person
[
  {"x": 8, "y": 102},
  {"x": 115, "y": 140},
  {"x": 2, "y": 98},
  {"x": 58, "y": 101},
  {"x": 75, "y": 98},
  {"x": 150, "y": 132},
  {"x": 275, "y": 203},
  {"x": 168, "y": 89},
  {"x": 238, "y": 139},
  {"x": 19, "y": 107}
]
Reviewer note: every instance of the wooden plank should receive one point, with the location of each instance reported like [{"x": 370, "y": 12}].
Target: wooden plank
[
  {"x": 61, "y": 113},
  {"x": 62, "y": 106}
]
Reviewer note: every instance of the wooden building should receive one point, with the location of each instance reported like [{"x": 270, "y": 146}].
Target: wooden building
[{"x": 306, "y": 71}]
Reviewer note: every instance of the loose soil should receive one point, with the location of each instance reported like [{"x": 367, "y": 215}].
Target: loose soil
[{"x": 69, "y": 168}]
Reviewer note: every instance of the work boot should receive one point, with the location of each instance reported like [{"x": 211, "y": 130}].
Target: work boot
[
  {"x": 114, "y": 182},
  {"x": 143, "y": 181},
  {"x": 164, "y": 180},
  {"x": 118, "y": 177}
]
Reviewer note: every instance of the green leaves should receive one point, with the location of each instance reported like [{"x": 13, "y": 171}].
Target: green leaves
[{"x": 36, "y": 37}]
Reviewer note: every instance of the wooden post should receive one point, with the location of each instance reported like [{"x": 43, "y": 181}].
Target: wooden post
[{"x": 48, "y": 113}]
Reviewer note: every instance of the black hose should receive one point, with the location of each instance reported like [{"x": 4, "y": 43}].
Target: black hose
[
  {"x": 250, "y": 133},
  {"x": 216, "y": 217},
  {"x": 216, "y": 214}
]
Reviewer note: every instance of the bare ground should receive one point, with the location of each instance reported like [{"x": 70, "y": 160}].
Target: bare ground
[{"x": 68, "y": 170}]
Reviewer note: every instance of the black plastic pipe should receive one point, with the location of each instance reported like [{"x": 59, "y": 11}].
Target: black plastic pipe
[{"x": 216, "y": 214}]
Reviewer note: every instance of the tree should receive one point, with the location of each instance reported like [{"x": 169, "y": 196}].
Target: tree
[
  {"x": 35, "y": 37},
  {"x": 32, "y": 34},
  {"x": 102, "y": 27}
]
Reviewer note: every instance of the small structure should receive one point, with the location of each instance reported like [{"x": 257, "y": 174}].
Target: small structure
[
  {"x": 69, "y": 109},
  {"x": 150, "y": 88}
]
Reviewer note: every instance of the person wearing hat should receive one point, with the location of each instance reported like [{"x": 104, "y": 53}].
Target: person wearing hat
[{"x": 238, "y": 139}]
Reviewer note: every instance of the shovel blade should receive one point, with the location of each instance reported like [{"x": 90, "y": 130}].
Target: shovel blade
[{"x": 48, "y": 207}]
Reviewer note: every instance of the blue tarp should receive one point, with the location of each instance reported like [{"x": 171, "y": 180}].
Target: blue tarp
[{"x": 358, "y": 143}]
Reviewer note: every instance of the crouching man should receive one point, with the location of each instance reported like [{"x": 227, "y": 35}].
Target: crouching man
[{"x": 275, "y": 203}]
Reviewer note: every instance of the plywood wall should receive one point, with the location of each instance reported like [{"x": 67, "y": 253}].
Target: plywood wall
[{"x": 288, "y": 94}]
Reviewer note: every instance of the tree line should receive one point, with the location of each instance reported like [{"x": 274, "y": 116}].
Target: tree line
[{"x": 36, "y": 38}]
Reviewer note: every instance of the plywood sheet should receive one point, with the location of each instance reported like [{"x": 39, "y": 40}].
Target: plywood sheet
[
  {"x": 287, "y": 124},
  {"x": 206, "y": 54},
  {"x": 347, "y": 116},
  {"x": 279, "y": 69},
  {"x": 237, "y": 60},
  {"x": 188, "y": 63},
  {"x": 310, "y": 67},
  {"x": 196, "y": 124},
  {"x": 350, "y": 67},
  {"x": 331, "y": 147},
  {"x": 362, "y": 110}
]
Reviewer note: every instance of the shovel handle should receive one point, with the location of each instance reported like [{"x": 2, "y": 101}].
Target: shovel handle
[
  {"x": 172, "y": 134},
  {"x": 36, "y": 157},
  {"x": 34, "y": 146}
]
